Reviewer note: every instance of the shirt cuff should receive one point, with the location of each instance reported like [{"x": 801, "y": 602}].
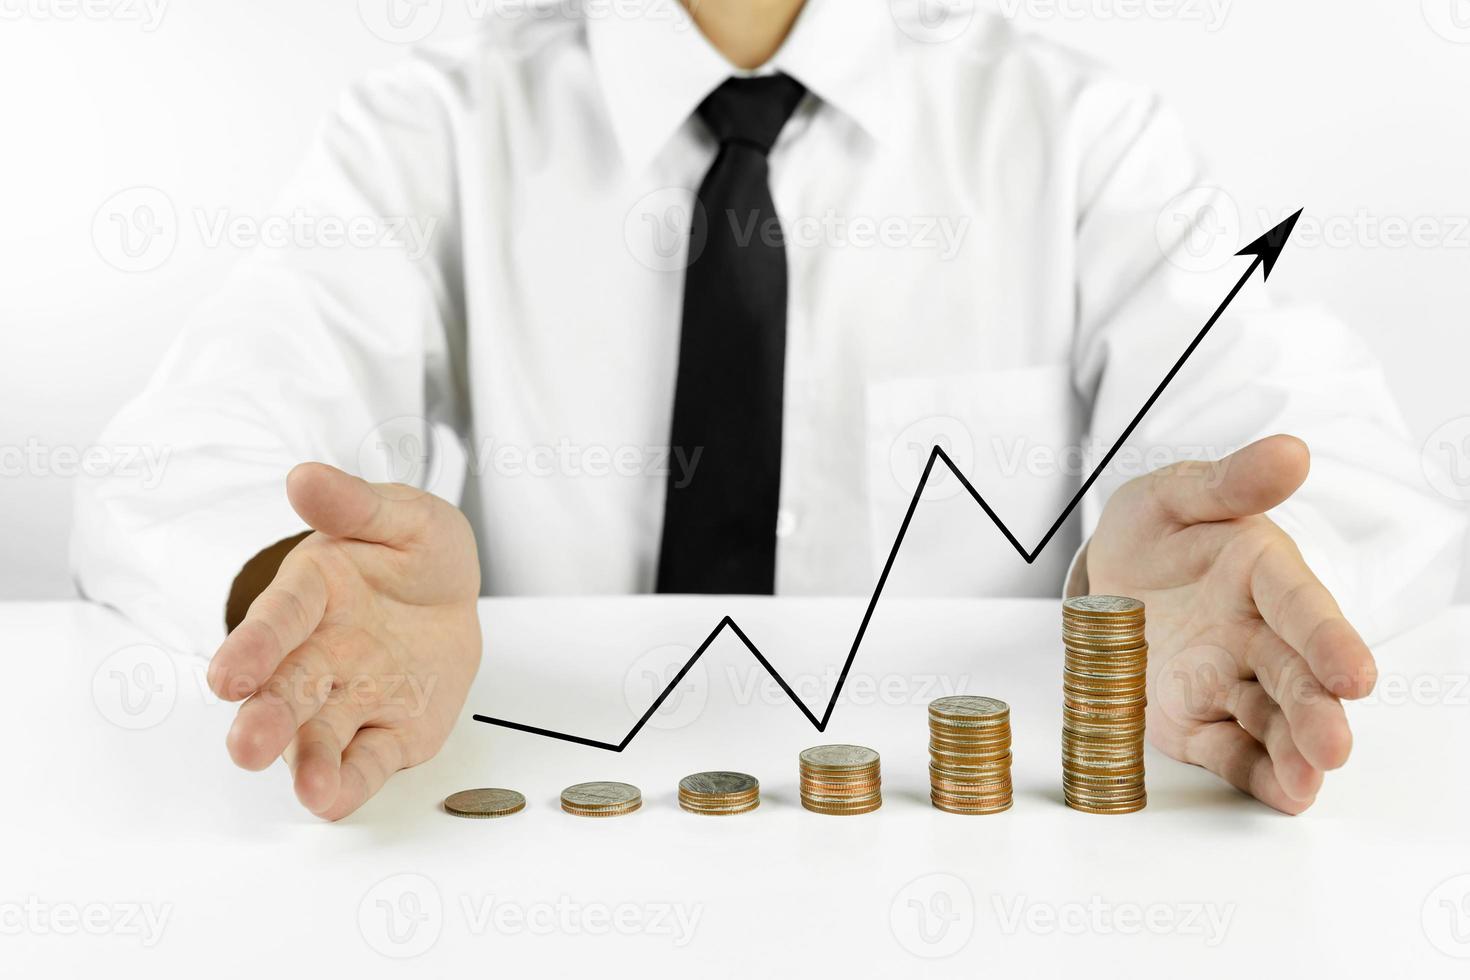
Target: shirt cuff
[{"x": 171, "y": 575}]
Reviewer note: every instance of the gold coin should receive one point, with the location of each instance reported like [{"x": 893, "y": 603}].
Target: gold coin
[
  {"x": 718, "y": 809},
  {"x": 1129, "y": 807},
  {"x": 600, "y": 813},
  {"x": 842, "y": 809},
  {"x": 971, "y": 810},
  {"x": 839, "y": 784},
  {"x": 484, "y": 803}
]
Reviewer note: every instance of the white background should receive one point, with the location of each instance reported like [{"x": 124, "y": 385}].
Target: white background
[{"x": 1354, "y": 109}]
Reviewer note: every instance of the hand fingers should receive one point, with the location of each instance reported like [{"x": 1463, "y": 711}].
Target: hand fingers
[
  {"x": 315, "y": 758},
  {"x": 1264, "y": 720},
  {"x": 343, "y": 506},
  {"x": 373, "y": 755},
  {"x": 277, "y": 622},
  {"x": 315, "y": 754},
  {"x": 1319, "y": 726},
  {"x": 1247, "y": 482},
  {"x": 295, "y": 692},
  {"x": 1228, "y": 750},
  {"x": 1304, "y": 614}
]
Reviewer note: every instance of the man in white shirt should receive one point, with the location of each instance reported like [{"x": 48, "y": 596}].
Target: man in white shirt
[{"x": 976, "y": 253}]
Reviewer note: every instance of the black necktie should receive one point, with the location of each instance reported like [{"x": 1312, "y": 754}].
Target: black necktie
[{"x": 720, "y": 522}]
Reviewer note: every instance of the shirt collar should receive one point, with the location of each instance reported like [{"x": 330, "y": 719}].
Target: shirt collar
[{"x": 655, "y": 66}]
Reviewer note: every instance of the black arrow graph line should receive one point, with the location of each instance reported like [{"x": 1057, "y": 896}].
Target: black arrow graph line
[{"x": 1266, "y": 249}]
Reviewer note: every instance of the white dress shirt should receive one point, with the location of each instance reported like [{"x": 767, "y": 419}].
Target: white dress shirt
[{"x": 983, "y": 253}]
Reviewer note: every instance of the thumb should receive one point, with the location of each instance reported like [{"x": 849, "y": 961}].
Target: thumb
[
  {"x": 343, "y": 506},
  {"x": 1249, "y": 481}
]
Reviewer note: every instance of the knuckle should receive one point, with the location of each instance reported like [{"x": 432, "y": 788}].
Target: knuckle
[
  {"x": 1289, "y": 604},
  {"x": 280, "y": 607}
]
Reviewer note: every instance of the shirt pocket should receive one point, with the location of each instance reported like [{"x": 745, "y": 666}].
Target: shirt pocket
[{"x": 1015, "y": 435}]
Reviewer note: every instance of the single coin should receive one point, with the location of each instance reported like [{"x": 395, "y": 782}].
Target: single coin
[
  {"x": 484, "y": 803},
  {"x": 971, "y": 754},
  {"x": 971, "y": 811},
  {"x": 718, "y": 811},
  {"x": 977, "y": 804},
  {"x": 966, "y": 706},
  {"x": 1132, "y": 806},
  {"x": 838, "y": 757},
  {"x": 719, "y": 783},
  {"x": 1110, "y": 604},
  {"x": 852, "y": 808},
  {"x": 718, "y": 801},
  {"x": 824, "y": 777}
]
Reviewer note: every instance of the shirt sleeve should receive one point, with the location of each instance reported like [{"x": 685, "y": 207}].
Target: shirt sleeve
[
  {"x": 334, "y": 340},
  {"x": 1155, "y": 244}
]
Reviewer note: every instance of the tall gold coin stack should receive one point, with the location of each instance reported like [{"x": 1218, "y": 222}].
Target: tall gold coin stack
[
  {"x": 970, "y": 755},
  {"x": 1103, "y": 699},
  {"x": 840, "y": 779}
]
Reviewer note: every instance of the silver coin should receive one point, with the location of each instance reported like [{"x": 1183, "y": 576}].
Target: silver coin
[
  {"x": 719, "y": 809},
  {"x": 969, "y": 707},
  {"x": 1103, "y": 604},
  {"x": 839, "y": 756},
  {"x": 598, "y": 794},
  {"x": 484, "y": 803},
  {"x": 718, "y": 783}
]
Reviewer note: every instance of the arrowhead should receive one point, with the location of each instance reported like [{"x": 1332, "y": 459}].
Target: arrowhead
[{"x": 1268, "y": 247}]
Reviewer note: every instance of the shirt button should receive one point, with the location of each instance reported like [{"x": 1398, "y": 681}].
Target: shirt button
[{"x": 785, "y": 524}]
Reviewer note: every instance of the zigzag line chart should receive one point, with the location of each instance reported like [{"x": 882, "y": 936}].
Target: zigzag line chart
[{"x": 1266, "y": 249}]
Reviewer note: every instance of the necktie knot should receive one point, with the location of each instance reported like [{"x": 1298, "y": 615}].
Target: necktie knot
[{"x": 751, "y": 110}]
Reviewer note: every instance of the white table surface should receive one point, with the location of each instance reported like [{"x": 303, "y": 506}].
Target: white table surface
[{"x": 131, "y": 846}]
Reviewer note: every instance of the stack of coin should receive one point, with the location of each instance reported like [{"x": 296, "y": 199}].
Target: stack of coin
[
  {"x": 601, "y": 799},
  {"x": 719, "y": 793},
  {"x": 840, "y": 779},
  {"x": 970, "y": 755},
  {"x": 1103, "y": 699}
]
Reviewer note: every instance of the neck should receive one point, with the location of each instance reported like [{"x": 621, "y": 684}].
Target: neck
[{"x": 746, "y": 32}]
